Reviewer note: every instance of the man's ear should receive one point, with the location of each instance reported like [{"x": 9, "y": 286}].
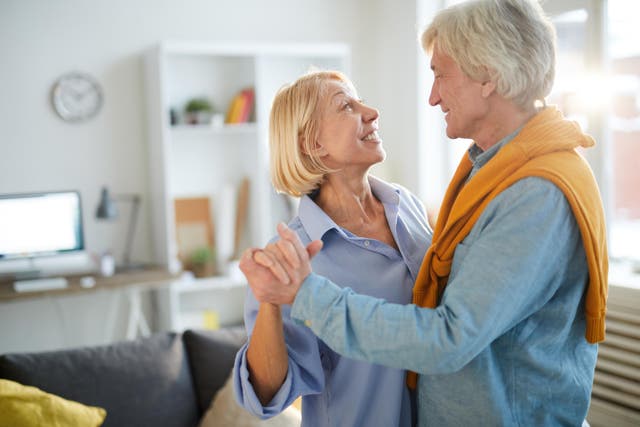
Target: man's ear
[{"x": 488, "y": 88}]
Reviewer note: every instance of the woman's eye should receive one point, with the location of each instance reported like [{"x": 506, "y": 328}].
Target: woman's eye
[{"x": 347, "y": 106}]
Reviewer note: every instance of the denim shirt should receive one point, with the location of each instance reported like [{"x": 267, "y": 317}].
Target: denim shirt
[
  {"x": 505, "y": 346},
  {"x": 338, "y": 391}
]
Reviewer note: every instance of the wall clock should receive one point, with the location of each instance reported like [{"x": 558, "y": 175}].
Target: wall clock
[{"x": 76, "y": 97}]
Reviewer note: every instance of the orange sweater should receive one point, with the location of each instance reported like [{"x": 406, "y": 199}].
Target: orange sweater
[{"x": 545, "y": 147}]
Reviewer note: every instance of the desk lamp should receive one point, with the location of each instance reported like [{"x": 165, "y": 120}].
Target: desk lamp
[{"x": 108, "y": 209}]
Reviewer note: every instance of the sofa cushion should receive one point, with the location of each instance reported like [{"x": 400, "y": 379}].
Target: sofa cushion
[
  {"x": 211, "y": 357},
  {"x": 27, "y": 406},
  {"x": 145, "y": 382},
  {"x": 225, "y": 411}
]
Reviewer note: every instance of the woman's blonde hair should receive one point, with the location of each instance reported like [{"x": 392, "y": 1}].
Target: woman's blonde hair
[
  {"x": 294, "y": 125},
  {"x": 510, "y": 42}
]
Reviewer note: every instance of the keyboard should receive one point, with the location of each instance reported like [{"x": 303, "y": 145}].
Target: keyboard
[{"x": 44, "y": 284}]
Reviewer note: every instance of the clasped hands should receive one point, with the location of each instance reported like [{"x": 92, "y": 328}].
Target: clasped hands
[{"x": 276, "y": 272}]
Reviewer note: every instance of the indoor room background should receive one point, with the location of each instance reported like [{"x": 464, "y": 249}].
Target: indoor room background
[
  {"x": 598, "y": 84},
  {"x": 40, "y": 41}
]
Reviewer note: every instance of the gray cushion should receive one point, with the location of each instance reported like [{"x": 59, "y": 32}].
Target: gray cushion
[
  {"x": 211, "y": 357},
  {"x": 140, "y": 383}
]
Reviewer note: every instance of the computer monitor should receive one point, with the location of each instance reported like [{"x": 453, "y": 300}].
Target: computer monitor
[{"x": 38, "y": 229}]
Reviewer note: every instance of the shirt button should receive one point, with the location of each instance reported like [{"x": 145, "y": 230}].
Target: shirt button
[
  {"x": 367, "y": 243},
  {"x": 307, "y": 323}
]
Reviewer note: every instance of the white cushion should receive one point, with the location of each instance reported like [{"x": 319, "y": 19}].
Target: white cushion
[{"x": 226, "y": 412}]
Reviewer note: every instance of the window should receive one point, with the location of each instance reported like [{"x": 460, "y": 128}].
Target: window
[{"x": 598, "y": 84}]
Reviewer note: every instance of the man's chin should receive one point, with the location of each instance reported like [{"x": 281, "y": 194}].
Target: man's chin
[{"x": 451, "y": 134}]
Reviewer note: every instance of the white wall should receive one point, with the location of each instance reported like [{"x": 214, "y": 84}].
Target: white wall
[{"x": 40, "y": 40}]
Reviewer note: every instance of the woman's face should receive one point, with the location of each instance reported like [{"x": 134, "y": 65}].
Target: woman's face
[{"x": 348, "y": 132}]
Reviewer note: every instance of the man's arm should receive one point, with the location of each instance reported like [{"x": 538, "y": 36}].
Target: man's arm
[{"x": 510, "y": 269}]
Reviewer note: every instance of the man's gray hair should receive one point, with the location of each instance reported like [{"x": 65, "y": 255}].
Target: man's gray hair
[{"x": 510, "y": 42}]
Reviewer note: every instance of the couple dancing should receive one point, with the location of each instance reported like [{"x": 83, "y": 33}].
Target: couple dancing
[{"x": 375, "y": 319}]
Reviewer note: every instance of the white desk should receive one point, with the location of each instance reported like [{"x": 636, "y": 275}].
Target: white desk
[{"x": 78, "y": 315}]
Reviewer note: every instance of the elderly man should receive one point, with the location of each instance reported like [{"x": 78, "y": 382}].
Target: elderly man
[{"x": 510, "y": 298}]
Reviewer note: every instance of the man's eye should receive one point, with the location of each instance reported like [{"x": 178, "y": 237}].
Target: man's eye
[{"x": 347, "y": 106}]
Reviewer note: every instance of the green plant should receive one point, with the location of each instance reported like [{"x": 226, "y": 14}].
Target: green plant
[
  {"x": 201, "y": 256},
  {"x": 197, "y": 105}
]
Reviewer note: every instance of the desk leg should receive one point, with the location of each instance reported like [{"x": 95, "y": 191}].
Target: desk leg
[
  {"x": 111, "y": 318},
  {"x": 136, "y": 322}
]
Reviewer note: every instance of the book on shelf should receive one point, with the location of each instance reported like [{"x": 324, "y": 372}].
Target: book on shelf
[{"x": 241, "y": 107}]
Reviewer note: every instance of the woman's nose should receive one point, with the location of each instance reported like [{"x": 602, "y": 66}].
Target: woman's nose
[{"x": 370, "y": 114}]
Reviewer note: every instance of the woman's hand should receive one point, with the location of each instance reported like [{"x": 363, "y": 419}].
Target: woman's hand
[{"x": 276, "y": 273}]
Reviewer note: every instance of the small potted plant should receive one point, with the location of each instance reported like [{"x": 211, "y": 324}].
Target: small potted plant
[
  {"x": 198, "y": 111},
  {"x": 202, "y": 262}
]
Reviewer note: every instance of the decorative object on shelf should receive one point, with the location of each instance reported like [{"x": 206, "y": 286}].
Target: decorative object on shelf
[
  {"x": 194, "y": 229},
  {"x": 202, "y": 262},
  {"x": 76, "y": 97},
  {"x": 198, "y": 111},
  {"x": 108, "y": 209},
  {"x": 241, "y": 107}
]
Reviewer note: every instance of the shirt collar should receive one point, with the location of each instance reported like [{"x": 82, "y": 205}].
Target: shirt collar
[
  {"x": 316, "y": 222},
  {"x": 479, "y": 157}
]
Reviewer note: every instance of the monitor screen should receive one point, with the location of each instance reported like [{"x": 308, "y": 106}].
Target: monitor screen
[{"x": 39, "y": 224}]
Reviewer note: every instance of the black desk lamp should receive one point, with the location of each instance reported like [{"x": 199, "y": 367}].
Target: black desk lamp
[{"x": 108, "y": 209}]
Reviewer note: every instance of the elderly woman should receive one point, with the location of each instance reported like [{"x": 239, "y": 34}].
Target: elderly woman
[
  {"x": 513, "y": 287},
  {"x": 323, "y": 142}
]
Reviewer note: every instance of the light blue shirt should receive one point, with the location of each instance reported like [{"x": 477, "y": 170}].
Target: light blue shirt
[
  {"x": 505, "y": 346},
  {"x": 338, "y": 391}
]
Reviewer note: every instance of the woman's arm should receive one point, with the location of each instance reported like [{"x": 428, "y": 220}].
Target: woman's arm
[
  {"x": 267, "y": 353},
  {"x": 267, "y": 358}
]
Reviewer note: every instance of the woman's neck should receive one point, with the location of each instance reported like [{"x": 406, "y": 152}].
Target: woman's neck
[
  {"x": 347, "y": 198},
  {"x": 351, "y": 204}
]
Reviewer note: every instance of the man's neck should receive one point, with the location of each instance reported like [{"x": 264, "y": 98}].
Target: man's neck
[{"x": 505, "y": 119}]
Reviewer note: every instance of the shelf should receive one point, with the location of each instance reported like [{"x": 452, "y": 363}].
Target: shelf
[
  {"x": 208, "y": 284},
  {"x": 229, "y": 129},
  {"x": 213, "y": 159}
]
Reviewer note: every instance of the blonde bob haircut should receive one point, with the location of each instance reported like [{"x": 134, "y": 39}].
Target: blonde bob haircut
[
  {"x": 294, "y": 126},
  {"x": 509, "y": 42}
]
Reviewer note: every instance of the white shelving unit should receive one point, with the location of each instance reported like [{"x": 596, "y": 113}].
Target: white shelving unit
[
  {"x": 203, "y": 160},
  {"x": 202, "y": 303}
]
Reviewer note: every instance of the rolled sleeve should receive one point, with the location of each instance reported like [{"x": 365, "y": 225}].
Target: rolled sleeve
[{"x": 246, "y": 395}]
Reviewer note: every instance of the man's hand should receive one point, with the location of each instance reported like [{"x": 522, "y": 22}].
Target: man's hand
[{"x": 276, "y": 273}]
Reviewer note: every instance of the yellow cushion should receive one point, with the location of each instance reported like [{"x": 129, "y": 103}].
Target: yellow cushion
[{"x": 25, "y": 406}]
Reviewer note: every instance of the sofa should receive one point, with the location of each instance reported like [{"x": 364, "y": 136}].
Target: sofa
[{"x": 166, "y": 379}]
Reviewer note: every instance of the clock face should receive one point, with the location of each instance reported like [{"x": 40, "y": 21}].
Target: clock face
[{"x": 76, "y": 97}]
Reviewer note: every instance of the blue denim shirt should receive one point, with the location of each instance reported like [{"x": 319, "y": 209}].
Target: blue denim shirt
[
  {"x": 338, "y": 391},
  {"x": 505, "y": 346}
]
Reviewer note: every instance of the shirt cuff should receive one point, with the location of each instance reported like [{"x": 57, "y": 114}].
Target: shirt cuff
[
  {"x": 248, "y": 396},
  {"x": 313, "y": 300}
]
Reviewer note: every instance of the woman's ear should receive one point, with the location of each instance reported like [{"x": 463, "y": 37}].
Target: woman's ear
[{"x": 316, "y": 148}]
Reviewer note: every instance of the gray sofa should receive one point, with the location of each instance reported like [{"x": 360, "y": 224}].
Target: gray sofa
[{"x": 166, "y": 379}]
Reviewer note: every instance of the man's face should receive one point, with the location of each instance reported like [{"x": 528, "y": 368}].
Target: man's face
[{"x": 459, "y": 97}]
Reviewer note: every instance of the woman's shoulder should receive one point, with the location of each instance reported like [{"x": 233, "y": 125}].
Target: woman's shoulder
[{"x": 296, "y": 225}]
